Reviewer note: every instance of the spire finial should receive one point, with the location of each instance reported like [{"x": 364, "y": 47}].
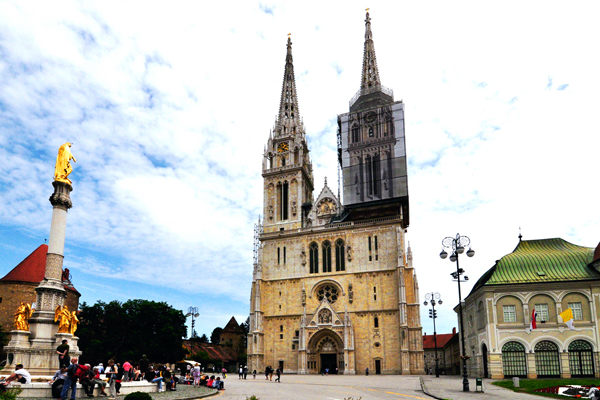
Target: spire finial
[
  {"x": 520, "y": 236},
  {"x": 370, "y": 74},
  {"x": 325, "y": 181}
]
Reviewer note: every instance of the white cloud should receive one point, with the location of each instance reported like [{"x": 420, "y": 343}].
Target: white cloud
[{"x": 169, "y": 108}]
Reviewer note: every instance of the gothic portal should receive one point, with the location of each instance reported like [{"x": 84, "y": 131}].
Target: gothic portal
[{"x": 333, "y": 284}]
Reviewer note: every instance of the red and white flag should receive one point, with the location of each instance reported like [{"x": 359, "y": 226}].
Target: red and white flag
[{"x": 532, "y": 324}]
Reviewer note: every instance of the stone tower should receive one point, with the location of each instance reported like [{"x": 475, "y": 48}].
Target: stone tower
[
  {"x": 333, "y": 285},
  {"x": 371, "y": 147},
  {"x": 287, "y": 170}
]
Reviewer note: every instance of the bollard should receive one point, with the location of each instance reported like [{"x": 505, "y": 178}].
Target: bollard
[{"x": 515, "y": 381}]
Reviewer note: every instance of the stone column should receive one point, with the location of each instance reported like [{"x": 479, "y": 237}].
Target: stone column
[{"x": 51, "y": 292}]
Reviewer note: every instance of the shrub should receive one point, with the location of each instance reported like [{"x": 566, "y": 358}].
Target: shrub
[
  {"x": 11, "y": 394},
  {"x": 252, "y": 398},
  {"x": 138, "y": 396}
]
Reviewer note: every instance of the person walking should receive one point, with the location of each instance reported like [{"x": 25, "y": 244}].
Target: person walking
[
  {"x": 245, "y": 371},
  {"x": 126, "y": 368},
  {"x": 241, "y": 372},
  {"x": 278, "y": 372},
  {"x": 367, "y": 371},
  {"x": 254, "y": 374}
]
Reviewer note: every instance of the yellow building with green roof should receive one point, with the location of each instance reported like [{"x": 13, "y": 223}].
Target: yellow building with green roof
[{"x": 547, "y": 276}]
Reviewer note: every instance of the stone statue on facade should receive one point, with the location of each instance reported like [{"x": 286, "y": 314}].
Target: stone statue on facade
[
  {"x": 63, "y": 164},
  {"x": 63, "y": 316},
  {"x": 22, "y": 316}
]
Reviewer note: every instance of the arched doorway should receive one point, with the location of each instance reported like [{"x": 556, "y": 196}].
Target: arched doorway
[
  {"x": 325, "y": 351},
  {"x": 547, "y": 359},
  {"x": 581, "y": 358},
  {"x": 484, "y": 356}
]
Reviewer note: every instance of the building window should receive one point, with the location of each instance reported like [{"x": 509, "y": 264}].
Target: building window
[
  {"x": 328, "y": 291},
  {"x": 293, "y": 347},
  {"x": 326, "y": 256},
  {"x": 576, "y": 308},
  {"x": 280, "y": 328},
  {"x": 542, "y": 312},
  {"x": 297, "y": 333},
  {"x": 254, "y": 339},
  {"x": 370, "y": 131},
  {"x": 313, "y": 252},
  {"x": 510, "y": 313},
  {"x": 376, "y": 322},
  {"x": 340, "y": 262},
  {"x": 284, "y": 201},
  {"x": 355, "y": 137},
  {"x": 278, "y": 255},
  {"x": 284, "y": 256},
  {"x": 281, "y": 336}
]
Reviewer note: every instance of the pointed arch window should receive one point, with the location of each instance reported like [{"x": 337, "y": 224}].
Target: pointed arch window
[
  {"x": 376, "y": 322},
  {"x": 313, "y": 252},
  {"x": 340, "y": 262},
  {"x": 327, "y": 256},
  {"x": 355, "y": 137}
]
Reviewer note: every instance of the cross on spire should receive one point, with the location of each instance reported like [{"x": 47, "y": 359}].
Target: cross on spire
[
  {"x": 370, "y": 74},
  {"x": 288, "y": 120}
]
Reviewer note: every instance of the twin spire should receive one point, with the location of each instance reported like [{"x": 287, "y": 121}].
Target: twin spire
[
  {"x": 288, "y": 120},
  {"x": 370, "y": 74}
]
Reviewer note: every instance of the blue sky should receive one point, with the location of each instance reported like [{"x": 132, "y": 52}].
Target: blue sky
[{"x": 169, "y": 108}]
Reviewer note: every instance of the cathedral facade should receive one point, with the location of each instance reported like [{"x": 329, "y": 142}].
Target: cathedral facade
[{"x": 333, "y": 284}]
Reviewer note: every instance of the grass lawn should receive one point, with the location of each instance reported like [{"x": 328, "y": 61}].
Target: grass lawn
[{"x": 530, "y": 385}]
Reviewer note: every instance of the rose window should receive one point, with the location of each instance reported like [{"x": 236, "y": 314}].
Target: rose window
[{"x": 328, "y": 291}]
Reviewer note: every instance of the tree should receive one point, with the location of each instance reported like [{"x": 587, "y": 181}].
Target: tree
[
  {"x": 126, "y": 331},
  {"x": 246, "y": 328},
  {"x": 203, "y": 338},
  {"x": 215, "y": 336}
]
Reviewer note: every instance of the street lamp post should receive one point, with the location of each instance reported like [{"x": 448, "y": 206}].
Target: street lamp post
[
  {"x": 434, "y": 298},
  {"x": 458, "y": 245},
  {"x": 192, "y": 312}
]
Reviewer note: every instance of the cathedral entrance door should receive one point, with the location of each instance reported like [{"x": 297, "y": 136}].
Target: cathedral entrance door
[
  {"x": 329, "y": 361},
  {"x": 377, "y": 367}
]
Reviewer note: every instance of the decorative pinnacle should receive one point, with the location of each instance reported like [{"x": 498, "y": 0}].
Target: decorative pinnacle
[{"x": 370, "y": 74}]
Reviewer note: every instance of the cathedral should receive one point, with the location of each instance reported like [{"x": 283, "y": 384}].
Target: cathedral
[{"x": 333, "y": 284}]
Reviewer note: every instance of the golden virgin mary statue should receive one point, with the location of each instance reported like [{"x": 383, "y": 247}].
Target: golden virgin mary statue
[{"x": 63, "y": 165}]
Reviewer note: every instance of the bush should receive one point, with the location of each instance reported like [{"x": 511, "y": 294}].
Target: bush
[
  {"x": 11, "y": 394},
  {"x": 252, "y": 398},
  {"x": 138, "y": 396}
]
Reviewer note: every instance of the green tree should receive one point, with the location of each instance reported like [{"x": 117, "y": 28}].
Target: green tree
[
  {"x": 215, "y": 336},
  {"x": 126, "y": 331},
  {"x": 203, "y": 338}
]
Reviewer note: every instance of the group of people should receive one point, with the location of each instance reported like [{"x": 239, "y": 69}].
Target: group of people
[
  {"x": 269, "y": 374},
  {"x": 202, "y": 379}
]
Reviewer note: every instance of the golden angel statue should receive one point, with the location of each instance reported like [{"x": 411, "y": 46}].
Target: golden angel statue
[
  {"x": 63, "y": 165},
  {"x": 22, "y": 316},
  {"x": 63, "y": 316},
  {"x": 73, "y": 323}
]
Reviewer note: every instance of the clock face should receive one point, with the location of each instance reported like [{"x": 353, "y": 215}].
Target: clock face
[
  {"x": 282, "y": 147},
  {"x": 371, "y": 117}
]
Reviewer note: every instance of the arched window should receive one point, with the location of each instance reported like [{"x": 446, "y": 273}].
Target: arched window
[
  {"x": 283, "y": 161},
  {"x": 313, "y": 251},
  {"x": 326, "y": 256},
  {"x": 376, "y": 322},
  {"x": 547, "y": 359},
  {"x": 514, "y": 362},
  {"x": 581, "y": 358},
  {"x": 355, "y": 137},
  {"x": 340, "y": 262}
]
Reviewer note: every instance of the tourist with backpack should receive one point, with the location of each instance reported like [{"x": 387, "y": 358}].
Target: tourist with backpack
[{"x": 70, "y": 381}]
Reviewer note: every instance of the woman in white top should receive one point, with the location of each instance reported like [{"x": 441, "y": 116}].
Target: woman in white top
[{"x": 196, "y": 372}]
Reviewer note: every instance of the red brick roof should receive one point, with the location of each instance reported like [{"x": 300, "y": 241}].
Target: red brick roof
[
  {"x": 216, "y": 352},
  {"x": 31, "y": 269},
  {"x": 442, "y": 339}
]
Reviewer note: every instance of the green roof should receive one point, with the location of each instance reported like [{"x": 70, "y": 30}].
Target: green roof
[{"x": 545, "y": 260}]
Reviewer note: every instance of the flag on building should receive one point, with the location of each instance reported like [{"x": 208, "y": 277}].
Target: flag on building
[
  {"x": 567, "y": 317},
  {"x": 532, "y": 324}
]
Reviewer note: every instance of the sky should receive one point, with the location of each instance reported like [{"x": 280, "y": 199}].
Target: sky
[{"x": 169, "y": 105}]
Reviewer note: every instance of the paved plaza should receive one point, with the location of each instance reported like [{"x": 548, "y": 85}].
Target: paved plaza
[{"x": 332, "y": 387}]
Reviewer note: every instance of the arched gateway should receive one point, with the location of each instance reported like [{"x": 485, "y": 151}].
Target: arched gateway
[
  {"x": 326, "y": 341},
  {"x": 325, "y": 350}
]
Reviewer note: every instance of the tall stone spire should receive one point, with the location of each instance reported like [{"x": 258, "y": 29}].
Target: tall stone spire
[
  {"x": 370, "y": 73},
  {"x": 288, "y": 120}
]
